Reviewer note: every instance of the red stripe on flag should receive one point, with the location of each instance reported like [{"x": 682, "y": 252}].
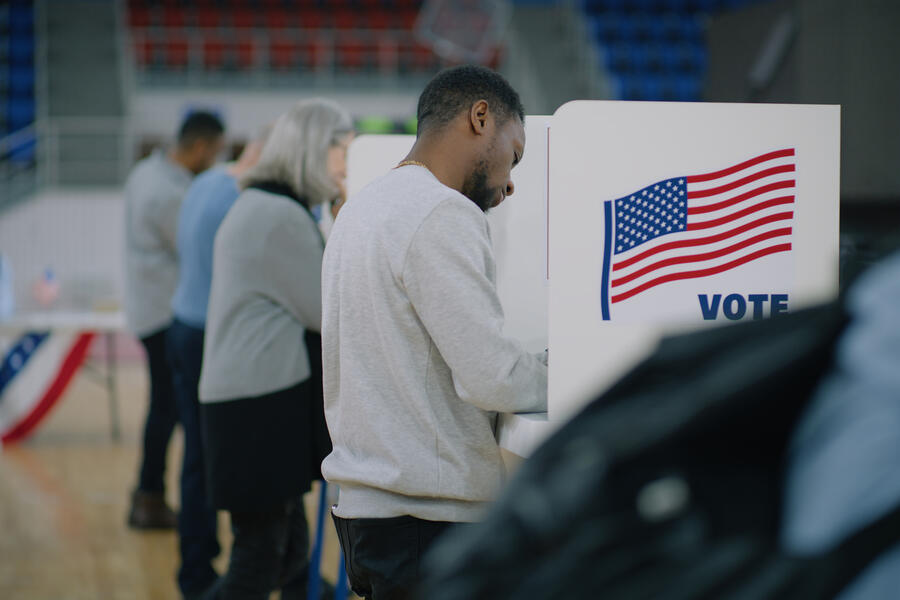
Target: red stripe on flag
[
  {"x": 739, "y": 182},
  {"x": 778, "y": 185},
  {"x": 741, "y": 213},
  {"x": 748, "y": 163},
  {"x": 705, "y": 240},
  {"x": 678, "y": 260},
  {"x": 703, "y": 272},
  {"x": 67, "y": 370}
]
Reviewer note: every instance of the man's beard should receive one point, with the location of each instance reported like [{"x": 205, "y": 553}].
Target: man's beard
[{"x": 475, "y": 187}]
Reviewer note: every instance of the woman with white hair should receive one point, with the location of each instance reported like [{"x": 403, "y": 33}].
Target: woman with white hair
[{"x": 260, "y": 385}]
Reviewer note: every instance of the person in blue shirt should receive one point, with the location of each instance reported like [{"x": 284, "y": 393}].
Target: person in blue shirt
[{"x": 204, "y": 207}]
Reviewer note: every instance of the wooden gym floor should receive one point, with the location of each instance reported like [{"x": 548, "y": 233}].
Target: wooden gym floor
[{"x": 64, "y": 494}]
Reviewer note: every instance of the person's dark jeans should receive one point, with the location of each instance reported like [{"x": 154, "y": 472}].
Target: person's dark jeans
[
  {"x": 383, "y": 556},
  {"x": 161, "y": 415},
  {"x": 198, "y": 541},
  {"x": 270, "y": 551}
]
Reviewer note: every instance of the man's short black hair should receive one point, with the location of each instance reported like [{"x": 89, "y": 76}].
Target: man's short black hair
[
  {"x": 456, "y": 89},
  {"x": 200, "y": 125}
]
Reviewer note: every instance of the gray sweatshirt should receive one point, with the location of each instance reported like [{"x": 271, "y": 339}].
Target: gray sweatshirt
[
  {"x": 415, "y": 365},
  {"x": 265, "y": 293},
  {"x": 153, "y": 194}
]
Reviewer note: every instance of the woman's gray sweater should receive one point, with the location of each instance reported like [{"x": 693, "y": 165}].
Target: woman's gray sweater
[{"x": 266, "y": 291}]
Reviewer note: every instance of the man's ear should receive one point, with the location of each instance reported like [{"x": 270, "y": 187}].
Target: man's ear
[{"x": 478, "y": 117}]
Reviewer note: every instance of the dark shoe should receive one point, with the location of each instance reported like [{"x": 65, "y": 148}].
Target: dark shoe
[{"x": 150, "y": 511}]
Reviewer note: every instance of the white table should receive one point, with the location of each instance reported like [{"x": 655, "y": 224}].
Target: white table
[{"x": 105, "y": 323}]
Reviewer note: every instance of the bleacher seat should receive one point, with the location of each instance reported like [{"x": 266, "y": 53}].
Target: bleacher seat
[
  {"x": 213, "y": 52},
  {"x": 284, "y": 53},
  {"x": 139, "y": 17},
  {"x": 345, "y": 19},
  {"x": 21, "y": 16},
  {"x": 21, "y": 80},
  {"x": 20, "y": 113},
  {"x": 208, "y": 17},
  {"x": 277, "y": 19},
  {"x": 21, "y": 48},
  {"x": 243, "y": 18},
  {"x": 353, "y": 54},
  {"x": 245, "y": 53},
  {"x": 177, "y": 51},
  {"x": 353, "y": 35},
  {"x": 144, "y": 52},
  {"x": 174, "y": 17},
  {"x": 311, "y": 18}
]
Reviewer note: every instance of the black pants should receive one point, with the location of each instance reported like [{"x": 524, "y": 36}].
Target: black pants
[
  {"x": 197, "y": 538},
  {"x": 383, "y": 556},
  {"x": 270, "y": 551},
  {"x": 161, "y": 415}
]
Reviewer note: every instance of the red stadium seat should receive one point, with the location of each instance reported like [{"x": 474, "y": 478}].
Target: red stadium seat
[
  {"x": 243, "y": 18},
  {"x": 177, "y": 51},
  {"x": 208, "y": 17},
  {"x": 352, "y": 54},
  {"x": 144, "y": 51},
  {"x": 284, "y": 53},
  {"x": 377, "y": 19},
  {"x": 407, "y": 19},
  {"x": 245, "y": 53},
  {"x": 345, "y": 19},
  {"x": 311, "y": 18},
  {"x": 213, "y": 53},
  {"x": 314, "y": 55},
  {"x": 423, "y": 58},
  {"x": 174, "y": 17},
  {"x": 139, "y": 17},
  {"x": 277, "y": 19},
  {"x": 387, "y": 54}
]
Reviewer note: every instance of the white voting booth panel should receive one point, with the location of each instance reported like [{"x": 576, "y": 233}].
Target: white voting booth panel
[{"x": 671, "y": 216}]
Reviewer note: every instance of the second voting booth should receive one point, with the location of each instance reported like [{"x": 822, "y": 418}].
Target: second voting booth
[{"x": 633, "y": 220}]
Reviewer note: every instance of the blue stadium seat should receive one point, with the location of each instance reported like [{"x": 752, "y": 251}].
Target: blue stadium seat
[
  {"x": 19, "y": 113},
  {"x": 651, "y": 87},
  {"x": 21, "y": 17},
  {"x": 21, "y": 79},
  {"x": 688, "y": 88},
  {"x": 21, "y": 48},
  {"x": 615, "y": 27}
]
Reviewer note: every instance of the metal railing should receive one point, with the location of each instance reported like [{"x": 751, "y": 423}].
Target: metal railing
[
  {"x": 85, "y": 150},
  {"x": 18, "y": 166}
]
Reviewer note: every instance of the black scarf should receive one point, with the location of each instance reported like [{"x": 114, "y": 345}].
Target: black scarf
[{"x": 283, "y": 189}]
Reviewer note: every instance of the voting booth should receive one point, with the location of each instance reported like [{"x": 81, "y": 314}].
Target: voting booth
[{"x": 634, "y": 220}]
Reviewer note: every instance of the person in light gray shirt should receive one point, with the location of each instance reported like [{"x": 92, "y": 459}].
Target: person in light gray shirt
[
  {"x": 416, "y": 367},
  {"x": 261, "y": 410},
  {"x": 153, "y": 194}
]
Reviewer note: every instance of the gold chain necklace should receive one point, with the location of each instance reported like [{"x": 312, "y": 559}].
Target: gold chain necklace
[{"x": 414, "y": 163}]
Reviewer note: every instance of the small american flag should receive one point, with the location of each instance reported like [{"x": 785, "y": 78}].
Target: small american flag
[{"x": 697, "y": 226}]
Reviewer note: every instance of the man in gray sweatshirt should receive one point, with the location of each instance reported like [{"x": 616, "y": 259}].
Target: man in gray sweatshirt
[
  {"x": 415, "y": 364},
  {"x": 153, "y": 194}
]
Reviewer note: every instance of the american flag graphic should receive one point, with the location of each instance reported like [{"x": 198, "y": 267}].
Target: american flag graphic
[{"x": 696, "y": 226}]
